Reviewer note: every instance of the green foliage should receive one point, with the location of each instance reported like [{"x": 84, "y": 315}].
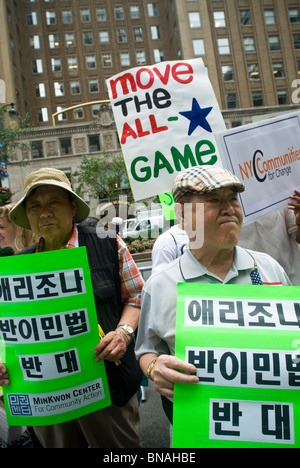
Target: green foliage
[
  {"x": 101, "y": 176},
  {"x": 5, "y": 195},
  {"x": 10, "y": 134}
]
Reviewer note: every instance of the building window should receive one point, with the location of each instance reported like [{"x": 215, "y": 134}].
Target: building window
[
  {"x": 257, "y": 98},
  {"x": 59, "y": 89},
  {"x": 223, "y": 46},
  {"x": 282, "y": 96},
  {"x": 53, "y": 41},
  {"x": 227, "y": 72},
  {"x": 87, "y": 38},
  {"x": 253, "y": 71},
  {"x": 50, "y": 18},
  {"x": 67, "y": 17},
  {"x": 122, "y": 35},
  {"x": 294, "y": 15},
  {"x": 278, "y": 70},
  {"x": 75, "y": 87},
  {"x": 245, "y": 18},
  {"x": 198, "y": 46},
  {"x": 232, "y": 101},
  {"x": 37, "y": 149},
  {"x": 63, "y": 115},
  {"x": 274, "y": 43},
  {"x": 34, "y": 42},
  {"x": 85, "y": 15},
  {"x": 56, "y": 64},
  {"x": 42, "y": 114},
  {"x": 138, "y": 34},
  {"x": 94, "y": 143},
  {"x": 155, "y": 32},
  {"x": 37, "y": 66},
  {"x": 39, "y": 89},
  {"x": 140, "y": 57},
  {"x": 104, "y": 37},
  {"x": 219, "y": 19},
  {"x": 158, "y": 55},
  {"x": 270, "y": 16},
  {"x": 72, "y": 64},
  {"x": 119, "y": 12},
  {"x": 94, "y": 85},
  {"x": 78, "y": 113},
  {"x": 65, "y": 146},
  {"x": 152, "y": 9},
  {"x": 194, "y": 19},
  {"x": 101, "y": 14},
  {"x": 249, "y": 45},
  {"x": 69, "y": 39},
  {"x": 31, "y": 18},
  {"x": 106, "y": 60},
  {"x": 90, "y": 61},
  {"x": 125, "y": 59},
  {"x": 134, "y": 12}
]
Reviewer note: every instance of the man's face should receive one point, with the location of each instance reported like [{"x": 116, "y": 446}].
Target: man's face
[
  {"x": 221, "y": 219},
  {"x": 50, "y": 213},
  {"x": 7, "y": 233}
]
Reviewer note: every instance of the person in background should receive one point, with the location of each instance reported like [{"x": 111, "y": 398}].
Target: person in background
[
  {"x": 213, "y": 258},
  {"x": 52, "y": 210},
  {"x": 168, "y": 246},
  {"x": 278, "y": 234}
]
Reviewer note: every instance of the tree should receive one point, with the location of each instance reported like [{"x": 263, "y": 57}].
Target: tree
[
  {"x": 10, "y": 134},
  {"x": 101, "y": 176}
]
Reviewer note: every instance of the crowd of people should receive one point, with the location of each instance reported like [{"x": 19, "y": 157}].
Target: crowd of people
[{"x": 139, "y": 319}]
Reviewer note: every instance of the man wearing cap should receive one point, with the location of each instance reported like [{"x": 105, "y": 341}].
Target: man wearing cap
[
  {"x": 51, "y": 209},
  {"x": 213, "y": 258}
]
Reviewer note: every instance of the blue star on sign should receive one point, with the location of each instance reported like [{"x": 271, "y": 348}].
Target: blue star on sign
[{"x": 197, "y": 116}]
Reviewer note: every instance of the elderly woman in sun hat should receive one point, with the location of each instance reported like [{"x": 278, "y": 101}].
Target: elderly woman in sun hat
[
  {"x": 51, "y": 209},
  {"x": 210, "y": 258}
]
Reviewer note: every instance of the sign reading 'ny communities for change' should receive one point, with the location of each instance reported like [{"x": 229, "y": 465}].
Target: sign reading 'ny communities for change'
[
  {"x": 244, "y": 342},
  {"x": 48, "y": 330},
  {"x": 265, "y": 156},
  {"x": 166, "y": 115}
]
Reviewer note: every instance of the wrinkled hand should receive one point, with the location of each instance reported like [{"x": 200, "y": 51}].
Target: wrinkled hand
[
  {"x": 112, "y": 347},
  {"x": 294, "y": 205},
  {"x": 4, "y": 378},
  {"x": 165, "y": 373}
]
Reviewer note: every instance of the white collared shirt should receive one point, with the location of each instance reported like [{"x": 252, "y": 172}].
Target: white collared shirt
[{"x": 156, "y": 331}]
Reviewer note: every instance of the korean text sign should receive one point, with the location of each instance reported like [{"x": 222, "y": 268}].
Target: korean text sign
[
  {"x": 48, "y": 330},
  {"x": 244, "y": 342},
  {"x": 166, "y": 116},
  {"x": 265, "y": 156}
]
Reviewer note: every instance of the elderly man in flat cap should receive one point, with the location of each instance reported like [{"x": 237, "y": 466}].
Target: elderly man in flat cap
[
  {"x": 51, "y": 209},
  {"x": 213, "y": 258}
]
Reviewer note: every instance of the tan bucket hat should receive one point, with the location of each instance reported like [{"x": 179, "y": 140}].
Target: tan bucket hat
[
  {"x": 46, "y": 176},
  {"x": 204, "y": 179}
]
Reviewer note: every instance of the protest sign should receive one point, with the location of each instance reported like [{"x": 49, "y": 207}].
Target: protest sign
[
  {"x": 265, "y": 156},
  {"x": 166, "y": 116},
  {"x": 48, "y": 330},
  {"x": 244, "y": 342}
]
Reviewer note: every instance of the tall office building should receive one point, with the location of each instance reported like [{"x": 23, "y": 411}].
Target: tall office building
[{"x": 58, "y": 53}]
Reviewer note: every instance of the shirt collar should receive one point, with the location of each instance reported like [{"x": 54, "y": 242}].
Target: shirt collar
[{"x": 192, "y": 269}]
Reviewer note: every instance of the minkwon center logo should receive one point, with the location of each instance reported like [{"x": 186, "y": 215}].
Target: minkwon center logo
[{"x": 262, "y": 167}]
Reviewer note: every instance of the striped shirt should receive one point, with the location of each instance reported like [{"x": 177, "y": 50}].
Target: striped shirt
[{"x": 131, "y": 280}]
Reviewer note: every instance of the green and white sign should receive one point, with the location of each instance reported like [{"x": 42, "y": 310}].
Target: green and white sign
[
  {"x": 48, "y": 330},
  {"x": 245, "y": 343}
]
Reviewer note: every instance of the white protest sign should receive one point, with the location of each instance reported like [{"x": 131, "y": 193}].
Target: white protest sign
[
  {"x": 166, "y": 115},
  {"x": 265, "y": 156}
]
